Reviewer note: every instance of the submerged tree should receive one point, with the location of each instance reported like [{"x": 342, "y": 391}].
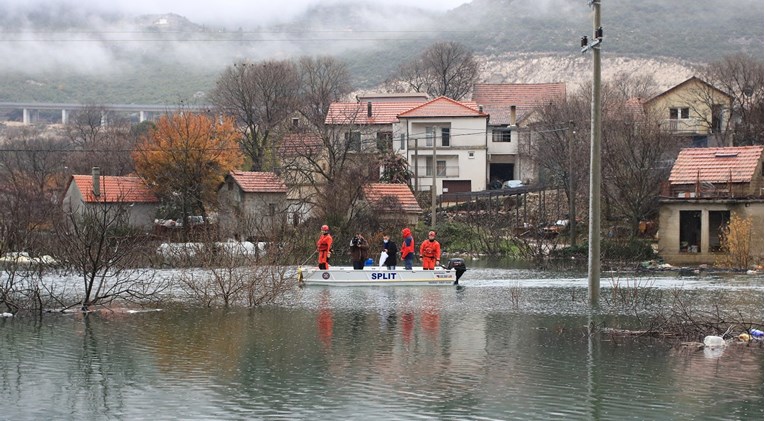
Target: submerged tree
[{"x": 185, "y": 158}]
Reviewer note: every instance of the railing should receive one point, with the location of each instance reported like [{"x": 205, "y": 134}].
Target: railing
[{"x": 685, "y": 125}]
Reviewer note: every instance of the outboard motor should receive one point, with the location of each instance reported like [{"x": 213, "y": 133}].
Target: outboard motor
[{"x": 458, "y": 264}]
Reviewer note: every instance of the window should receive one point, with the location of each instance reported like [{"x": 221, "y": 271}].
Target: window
[
  {"x": 679, "y": 113},
  {"x": 718, "y": 221},
  {"x": 440, "y": 167},
  {"x": 501, "y": 135},
  {"x": 402, "y": 139},
  {"x": 690, "y": 231},
  {"x": 471, "y": 154},
  {"x": 230, "y": 185},
  {"x": 384, "y": 141},
  {"x": 295, "y": 122},
  {"x": 271, "y": 209},
  {"x": 445, "y": 136},
  {"x": 429, "y": 134},
  {"x": 353, "y": 140},
  {"x": 717, "y": 117}
]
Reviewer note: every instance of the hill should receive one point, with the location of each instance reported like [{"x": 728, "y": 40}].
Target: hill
[{"x": 74, "y": 56}]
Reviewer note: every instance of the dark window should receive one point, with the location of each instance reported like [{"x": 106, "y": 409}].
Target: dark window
[
  {"x": 354, "y": 141},
  {"x": 718, "y": 221},
  {"x": 501, "y": 135},
  {"x": 717, "y": 113},
  {"x": 690, "y": 231},
  {"x": 384, "y": 141},
  {"x": 271, "y": 209},
  {"x": 445, "y": 136}
]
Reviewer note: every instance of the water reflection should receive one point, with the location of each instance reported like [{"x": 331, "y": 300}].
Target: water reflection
[{"x": 371, "y": 353}]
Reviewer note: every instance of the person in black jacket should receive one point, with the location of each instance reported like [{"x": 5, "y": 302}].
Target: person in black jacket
[
  {"x": 390, "y": 248},
  {"x": 359, "y": 247}
]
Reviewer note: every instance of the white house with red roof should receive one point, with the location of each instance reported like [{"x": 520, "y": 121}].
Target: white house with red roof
[
  {"x": 127, "y": 197},
  {"x": 705, "y": 188},
  {"x": 415, "y": 127},
  {"x": 511, "y": 107},
  {"x": 253, "y": 205}
]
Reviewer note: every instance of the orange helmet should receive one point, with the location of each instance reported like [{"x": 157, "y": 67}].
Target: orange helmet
[
  {"x": 433, "y": 233},
  {"x": 325, "y": 228}
]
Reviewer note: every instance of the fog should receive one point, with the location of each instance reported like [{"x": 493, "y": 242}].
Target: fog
[{"x": 93, "y": 37}]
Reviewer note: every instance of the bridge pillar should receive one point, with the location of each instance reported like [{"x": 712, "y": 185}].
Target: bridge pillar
[
  {"x": 104, "y": 121},
  {"x": 25, "y": 116},
  {"x": 141, "y": 116},
  {"x": 64, "y": 116}
]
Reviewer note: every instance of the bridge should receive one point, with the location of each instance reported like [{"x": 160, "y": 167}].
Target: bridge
[{"x": 30, "y": 110}]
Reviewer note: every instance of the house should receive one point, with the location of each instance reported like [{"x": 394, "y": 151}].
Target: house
[
  {"x": 392, "y": 202},
  {"x": 705, "y": 188},
  {"x": 444, "y": 142},
  {"x": 511, "y": 107},
  {"x": 413, "y": 127},
  {"x": 252, "y": 205},
  {"x": 695, "y": 110},
  {"x": 128, "y": 196}
]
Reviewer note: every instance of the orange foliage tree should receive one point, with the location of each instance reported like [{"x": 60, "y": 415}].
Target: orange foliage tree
[{"x": 185, "y": 157}]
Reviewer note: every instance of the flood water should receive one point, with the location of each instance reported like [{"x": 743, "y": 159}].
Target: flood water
[{"x": 509, "y": 345}]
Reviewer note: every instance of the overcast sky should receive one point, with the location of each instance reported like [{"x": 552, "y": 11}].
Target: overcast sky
[{"x": 228, "y": 12}]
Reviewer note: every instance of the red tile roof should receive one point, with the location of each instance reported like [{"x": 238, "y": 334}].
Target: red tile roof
[
  {"x": 114, "y": 189},
  {"x": 716, "y": 165},
  {"x": 444, "y": 107},
  {"x": 496, "y": 98},
  {"x": 300, "y": 144},
  {"x": 259, "y": 182},
  {"x": 356, "y": 112},
  {"x": 391, "y": 197}
]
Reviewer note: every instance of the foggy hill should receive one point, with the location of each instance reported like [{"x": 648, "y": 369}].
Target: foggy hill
[{"x": 76, "y": 55}]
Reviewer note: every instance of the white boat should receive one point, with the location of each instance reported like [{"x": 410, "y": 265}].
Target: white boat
[{"x": 370, "y": 276}]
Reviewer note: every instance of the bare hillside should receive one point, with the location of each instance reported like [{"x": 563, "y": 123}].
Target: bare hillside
[{"x": 576, "y": 69}]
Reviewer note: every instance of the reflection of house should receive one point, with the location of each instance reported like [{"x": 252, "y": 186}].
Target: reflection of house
[
  {"x": 252, "y": 204},
  {"x": 706, "y": 187},
  {"x": 511, "y": 108},
  {"x": 693, "y": 109},
  {"x": 128, "y": 196},
  {"x": 392, "y": 202}
]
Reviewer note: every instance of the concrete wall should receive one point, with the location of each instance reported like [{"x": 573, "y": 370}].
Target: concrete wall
[
  {"x": 669, "y": 229},
  {"x": 138, "y": 215},
  {"x": 248, "y": 215}
]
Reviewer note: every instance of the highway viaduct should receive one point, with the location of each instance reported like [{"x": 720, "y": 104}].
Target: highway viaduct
[{"x": 30, "y": 110}]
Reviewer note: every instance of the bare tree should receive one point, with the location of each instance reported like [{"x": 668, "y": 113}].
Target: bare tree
[
  {"x": 323, "y": 80},
  {"x": 260, "y": 96},
  {"x": 444, "y": 69},
  {"x": 96, "y": 243},
  {"x": 740, "y": 76},
  {"x": 95, "y": 133}
]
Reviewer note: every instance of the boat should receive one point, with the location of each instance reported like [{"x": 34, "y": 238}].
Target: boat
[{"x": 380, "y": 276}]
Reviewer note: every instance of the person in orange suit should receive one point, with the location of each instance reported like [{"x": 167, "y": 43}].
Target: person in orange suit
[
  {"x": 430, "y": 252},
  {"x": 324, "y": 247},
  {"x": 407, "y": 248}
]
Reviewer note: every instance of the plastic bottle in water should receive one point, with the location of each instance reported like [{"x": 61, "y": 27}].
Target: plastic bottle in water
[
  {"x": 714, "y": 342},
  {"x": 755, "y": 333}
]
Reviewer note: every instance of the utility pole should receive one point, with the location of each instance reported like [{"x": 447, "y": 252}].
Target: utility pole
[
  {"x": 593, "y": 268},
  {"x": 433, "y": 186},
  {"x": 571, "y": 186}
]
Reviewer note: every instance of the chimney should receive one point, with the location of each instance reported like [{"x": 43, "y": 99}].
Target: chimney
[
  {"x": 480, "y": 109},
  {"x": 512, "y": 115},
  {"x": 96, "y": 171},
  {"x": 369, "y": 108}
]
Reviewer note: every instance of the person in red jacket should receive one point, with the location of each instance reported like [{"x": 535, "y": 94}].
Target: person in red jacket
[
  {"x": 407, "y": 248},
  {"x": 324, "y": 247},
  {"x": 430, "y": 252}
]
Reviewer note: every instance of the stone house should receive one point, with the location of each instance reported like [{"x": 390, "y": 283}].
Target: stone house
[
  {"x": 705, "y": 188},
  {"x": 252, "y": 205},
  {"x": 128, "y": 196}
]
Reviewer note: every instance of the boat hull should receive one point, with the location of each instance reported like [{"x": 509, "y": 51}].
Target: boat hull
[{"x": 347, "y": 276}]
